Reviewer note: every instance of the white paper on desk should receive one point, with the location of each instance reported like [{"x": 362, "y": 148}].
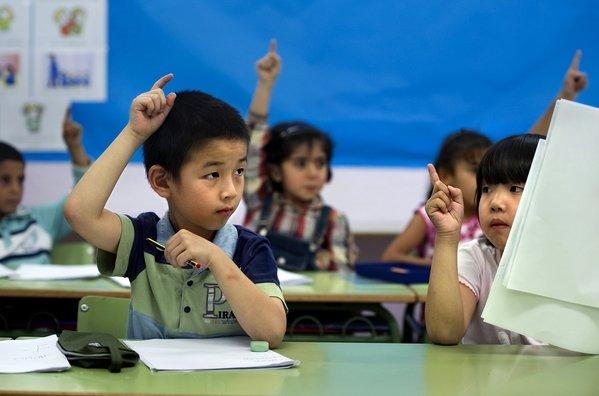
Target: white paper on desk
[
  {"x": 26, "y": 356},
  {"x": 205, "y": 354},
  {"x": 5, "y": 271},
  {"x": 556, "y": 237},
  {"x": 119, "y": 280},
  {"x": 55, "y": 272},
  {"x": 288, "y": 278}
]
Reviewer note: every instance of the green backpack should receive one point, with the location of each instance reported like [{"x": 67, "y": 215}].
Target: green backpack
[{"x": 91, "y": 350}]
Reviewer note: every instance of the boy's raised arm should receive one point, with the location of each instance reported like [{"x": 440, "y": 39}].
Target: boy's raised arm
[
  {"x": 72, "y": 134},
  {"x": 84, "y": 208}
]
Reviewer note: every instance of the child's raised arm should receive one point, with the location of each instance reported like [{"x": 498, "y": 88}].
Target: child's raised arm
[
  {"x": 84, "y": 208},
  {"x": 449, "y": 305},
  {"x": 268, "y": 68},
  {"x": 574, "y": 82},
  {"x": 71, "y": 134}
]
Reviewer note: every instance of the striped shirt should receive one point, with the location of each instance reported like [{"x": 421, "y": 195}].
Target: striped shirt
[
  {"x": 29, "y": 234},
  {"x": 288, "y": 219}
]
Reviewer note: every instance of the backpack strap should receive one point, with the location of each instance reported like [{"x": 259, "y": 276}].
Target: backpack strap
[
  {"x": 263, "y": 226},
  {"x": 320, "y": 229}
]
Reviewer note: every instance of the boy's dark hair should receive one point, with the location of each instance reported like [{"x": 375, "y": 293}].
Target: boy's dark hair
[
  {"x": 195, "y": 119},
  {"x": 507, "y": 161},
  {"x": 286, "y": 137},
  {"x": 464, "y": 144},
  {"x": 8, "y": 152}
]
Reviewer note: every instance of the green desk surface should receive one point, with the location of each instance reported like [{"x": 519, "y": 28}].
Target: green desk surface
[
  {"x": 341, "y": 287},
  {"x": 420, "y": 289},
  {"x": 62, "y": 289},
  {"x": 327, "y": 287},
  {"x": 348, "y": 369}
]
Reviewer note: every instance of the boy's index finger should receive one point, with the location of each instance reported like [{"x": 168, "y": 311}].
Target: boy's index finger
[
  {"x": 432, "y": 172},
  {"x": 575, "y": 64},
  {"x": 162, "y": 81},
  {"x": 272, "y": 46}
]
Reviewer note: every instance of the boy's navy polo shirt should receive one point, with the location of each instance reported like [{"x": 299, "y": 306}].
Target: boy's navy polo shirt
[{"x": 169, "y": 302}]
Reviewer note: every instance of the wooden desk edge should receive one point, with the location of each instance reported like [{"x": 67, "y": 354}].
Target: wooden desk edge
[{"x": 58, "y": 293}]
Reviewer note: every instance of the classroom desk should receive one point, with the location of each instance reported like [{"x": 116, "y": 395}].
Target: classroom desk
[
  {"x": 62, "y": 289},
  {"x": 347, "y": 288},
  {"x": 420, "y": 290},
  {"x": 348, "y": 369},
  {"x": 327, "y": 287}
]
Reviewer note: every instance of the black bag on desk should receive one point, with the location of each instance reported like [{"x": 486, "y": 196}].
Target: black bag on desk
[
  {"x": 290, "y": 253},
  {"x": 92, "y": 350}
]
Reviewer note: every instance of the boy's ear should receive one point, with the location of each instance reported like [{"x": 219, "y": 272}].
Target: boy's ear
[
  {"x": 275, "y": 173},
  {"x": 160, "y": 180}
]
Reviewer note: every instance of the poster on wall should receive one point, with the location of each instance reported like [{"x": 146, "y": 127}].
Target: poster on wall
[
  {"x": 13, "y": 73},
  {"x": 61, "y": 23},
  {"x": 32, "y": 124},
  {"x": 71, "y": 74},
  {"x": 14, "y": 23}
]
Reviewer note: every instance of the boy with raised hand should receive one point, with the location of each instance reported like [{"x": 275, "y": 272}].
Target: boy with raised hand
[
  {"x": 195, "y": 149},
  {"x": 29, "y": 233}
]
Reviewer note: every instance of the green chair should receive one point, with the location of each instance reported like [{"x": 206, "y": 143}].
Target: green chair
[
  {"x": 103, "y": 315},
  {"x": 73, "y": 253}
]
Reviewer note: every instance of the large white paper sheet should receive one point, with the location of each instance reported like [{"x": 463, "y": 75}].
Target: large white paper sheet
[
  {"x": 547, "y": 286},
  {"x": 55, "y": 272},
  {"x": 566, "y": 325},
  {"x": 556, "y": 248},
  {"x": 288, "y": 278},
  {"x": 205, "y": 354},
  {"x": 26, "y": 356}
]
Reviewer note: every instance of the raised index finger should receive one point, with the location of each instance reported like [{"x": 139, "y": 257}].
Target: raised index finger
[
  {"x": 432, "y": 172},
  {"x": 163, "y": 81},
  {"x": 575, "y": 64},
  {"x": 272, "y": 46}
]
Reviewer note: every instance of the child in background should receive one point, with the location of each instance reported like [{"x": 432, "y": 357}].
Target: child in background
[
  {"x": 288, "y": 166},
  {"x": 28, "y": 233},
  {"x": 456, "y": 166},
  {"x": 195, "y": 151},
  {"x": 461, "y": 277},
  {"x": 457, "y": 161}
]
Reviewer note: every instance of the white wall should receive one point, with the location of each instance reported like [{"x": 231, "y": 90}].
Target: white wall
[{"x": 377, "y": 200}]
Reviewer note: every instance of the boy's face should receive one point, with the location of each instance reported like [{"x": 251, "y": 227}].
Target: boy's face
[
  {"x": 12, "y": 175},
  {"x": 209, "y": 187},
  {"x": 303, "y": 174},
  {"x": 497, "y": 209}
]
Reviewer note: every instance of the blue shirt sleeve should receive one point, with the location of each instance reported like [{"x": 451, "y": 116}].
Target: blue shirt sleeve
[
  {"x": 253, "y": 255},
  {"x": 51, "y": 217}
]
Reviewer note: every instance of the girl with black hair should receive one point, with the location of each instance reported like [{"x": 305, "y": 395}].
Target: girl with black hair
[{"x": 461, "y": 278}]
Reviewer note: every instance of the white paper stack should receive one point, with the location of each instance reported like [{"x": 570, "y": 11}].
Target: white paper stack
[
  {"x": 205, "y": 354},
  {"x": 35, "y": 355},
  {"x": 54, "y": 272},
  {"x": 547, "y": 285},
  {"x": 5, "y": 272},
  {"x": 288, "y": 278}
]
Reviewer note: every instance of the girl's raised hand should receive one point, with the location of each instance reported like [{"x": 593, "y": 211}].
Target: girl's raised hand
[
  {"x": 445, "y": 207},
  {"x": 149, "y": 109},
  {"x": 269, "y": 66}
]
